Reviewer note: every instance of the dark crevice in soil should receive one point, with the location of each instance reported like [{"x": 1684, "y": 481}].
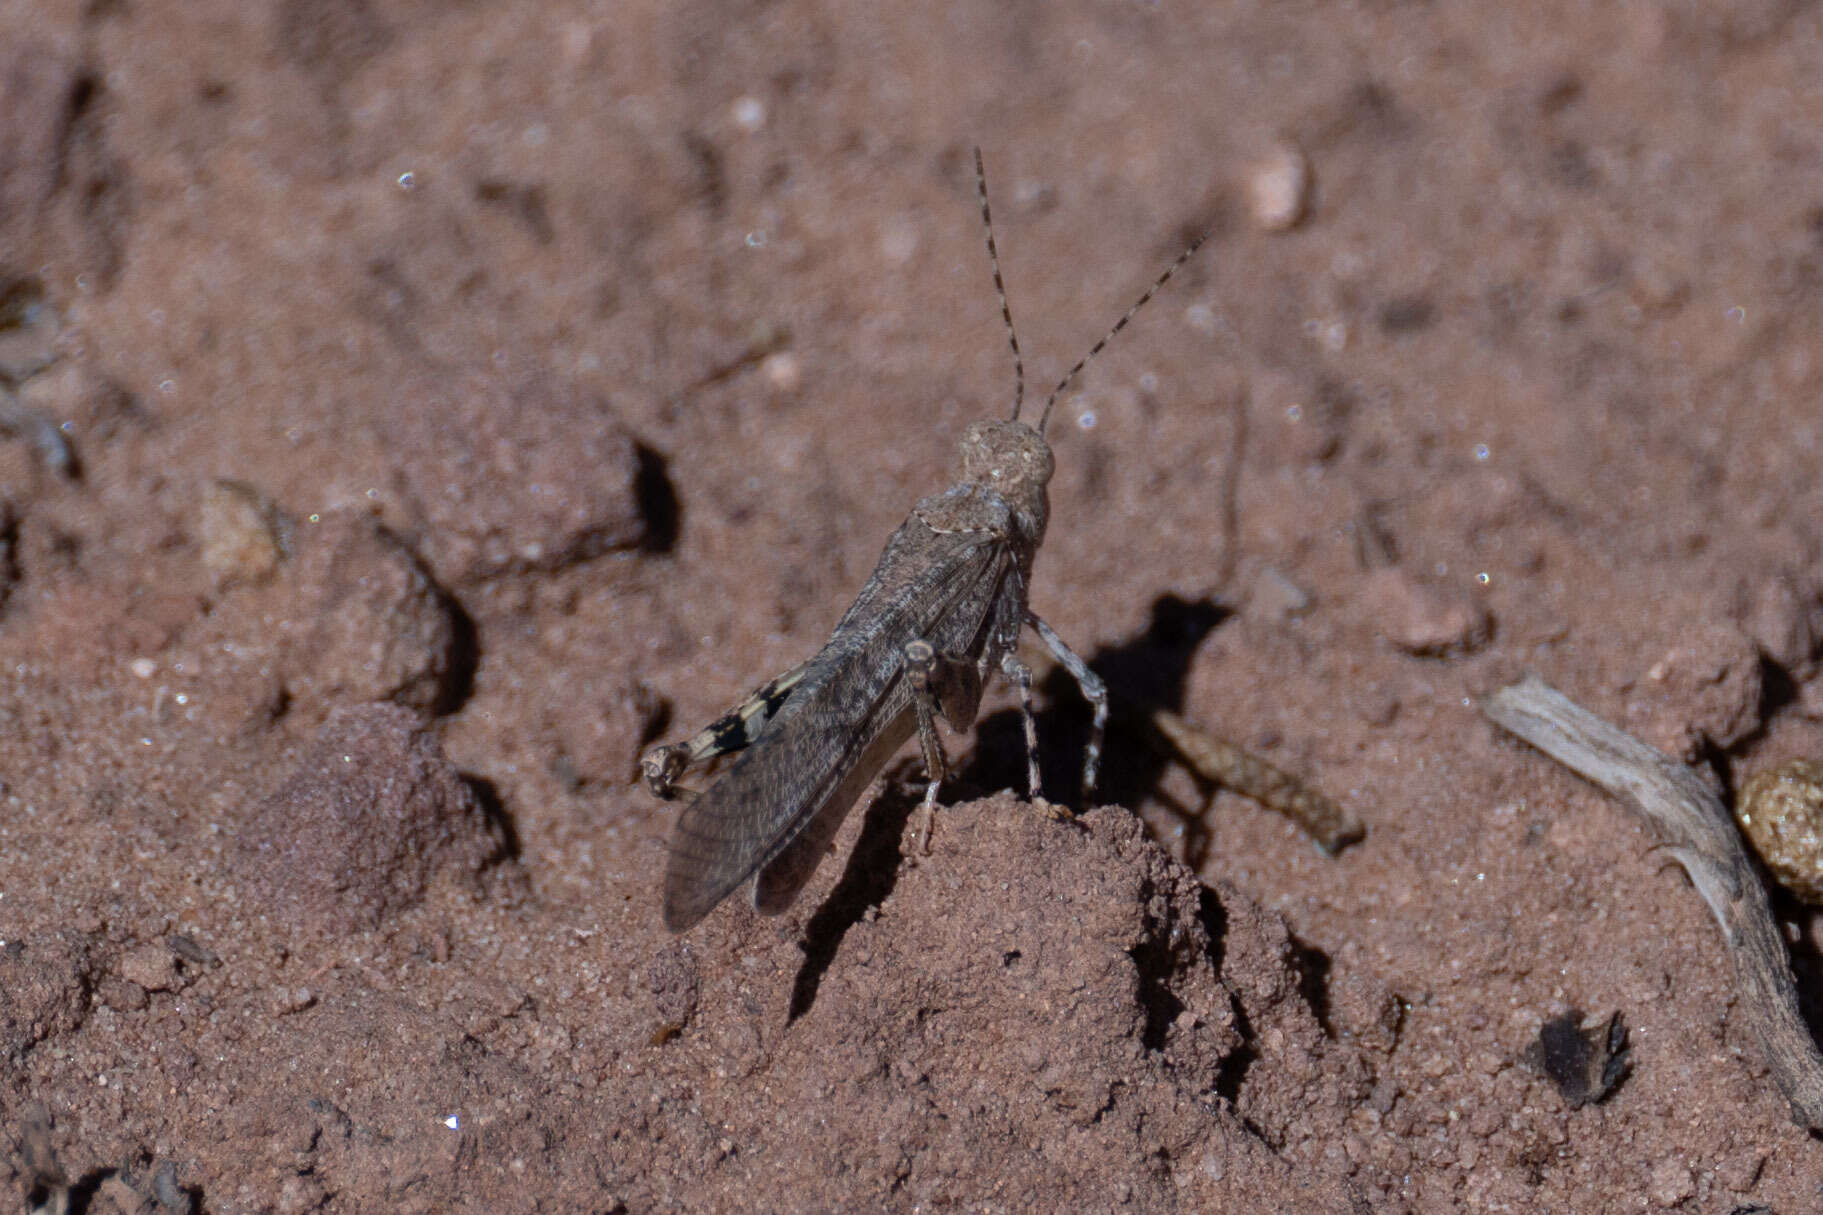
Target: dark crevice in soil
[
  {"x": 464, "y": 658},
  {"x": 1233, "y": 1071},
  {"x": 1313, "y": 967},
  {"x": 1214, "y": 919},
  {"x": 658, "y": 502},
  {"x": 487, "y": 796},
  {"x": 1721, "y": 764},
  {"x": 1156, "y": 963},
  {"x": 1806, "y": 960},
  {"x": 1777, "y": 689}
]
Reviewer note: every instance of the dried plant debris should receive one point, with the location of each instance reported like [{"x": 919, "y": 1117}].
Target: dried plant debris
[
  {"x": 1584, "y": 1058},
  {"x": 1233, "y": 767},
  {"x": 1694, "y": 825}
]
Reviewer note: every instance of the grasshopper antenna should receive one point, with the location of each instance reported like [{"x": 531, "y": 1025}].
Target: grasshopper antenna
[
  {"x": 1006, "y": 312},
  {"x": 1045, "y": 418}
]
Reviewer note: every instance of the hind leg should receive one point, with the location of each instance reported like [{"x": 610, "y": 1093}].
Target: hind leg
[{"x": 946, "y": 684}]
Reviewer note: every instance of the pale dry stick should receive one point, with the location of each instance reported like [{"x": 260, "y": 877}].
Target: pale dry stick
[
  {"x": 1698, "y": 832},
  {"x": 1235, "y": 768}
]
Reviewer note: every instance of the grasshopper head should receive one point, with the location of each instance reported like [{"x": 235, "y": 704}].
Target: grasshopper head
[
  {"x": 1014, "y": 461},
  {"x": 1008, "y": 456}
]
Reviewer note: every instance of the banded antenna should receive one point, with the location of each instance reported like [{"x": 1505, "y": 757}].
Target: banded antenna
[
  {"x": 1044, "y": 419},
  {"x": 1006, "y": 311}
]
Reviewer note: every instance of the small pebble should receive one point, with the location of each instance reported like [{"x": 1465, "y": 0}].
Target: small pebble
[
  {"x": 372, "y": 814},
  {"x": 1424, "y": 619},
  {"x": 1672, "y": 1184},
  {"x": 170, "y": 1195},
  {"x": 1276, "y": 597},
  {"x": 240, "y": 534},
  {"x": 291, "y": 1000},
  {"x": 781, "y": 372},
  {"x": 1278, "y": 188},
  {"x": 150, "y": 966},
  {"x": 1706, "y": 690},
  {"x": 382, "y": 628},
  {"x": 505, "y": 474},
  {"x": 749, "y": 113},
  {"x": 121, "y": 995},
  {"x": 899, "y": 241},
  {"x": 1781, "y": 812}
]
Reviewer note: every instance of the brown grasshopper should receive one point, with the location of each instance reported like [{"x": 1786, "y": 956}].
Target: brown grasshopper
[{"x": 942, "y": 611}]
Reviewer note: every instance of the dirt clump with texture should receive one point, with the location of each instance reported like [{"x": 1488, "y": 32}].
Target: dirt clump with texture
[{"x": 409, "y": 413}]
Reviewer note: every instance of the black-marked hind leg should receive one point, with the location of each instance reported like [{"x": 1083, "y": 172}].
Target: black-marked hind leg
[
  {"x": 735, "y": 730},
  {"x": 942, "y": 684},
  {"x": 1093, "y": 690}
]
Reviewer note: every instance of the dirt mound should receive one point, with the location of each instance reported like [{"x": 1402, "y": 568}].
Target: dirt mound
[{"x": 372, "y": 814}]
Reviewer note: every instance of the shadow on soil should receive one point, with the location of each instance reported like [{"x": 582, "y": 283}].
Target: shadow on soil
[{"x": 1150, "y": 671}]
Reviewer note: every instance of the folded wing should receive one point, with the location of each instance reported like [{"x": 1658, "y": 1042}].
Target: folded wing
[{"x": 845, "y": 719}]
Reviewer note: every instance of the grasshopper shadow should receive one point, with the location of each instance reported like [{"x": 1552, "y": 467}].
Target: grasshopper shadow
[
  {"x": 870, "y": 875},
  {"x": 1148, "y": 672}
]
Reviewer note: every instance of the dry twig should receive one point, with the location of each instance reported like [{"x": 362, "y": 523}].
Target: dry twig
[{"x": 1698, "y": 832}]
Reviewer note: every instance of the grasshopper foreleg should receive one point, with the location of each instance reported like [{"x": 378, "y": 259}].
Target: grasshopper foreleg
[
  {"x": 1093, "y": 690},
  {"x": 1021, "y": 675}
]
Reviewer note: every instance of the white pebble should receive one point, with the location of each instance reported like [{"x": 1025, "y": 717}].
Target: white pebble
[
  {"x": 780, "y": 370},
  {"x": 749, "y": 113},
  {"x": 899, "y": 242},
  {"x": 1278, "y": 188}
]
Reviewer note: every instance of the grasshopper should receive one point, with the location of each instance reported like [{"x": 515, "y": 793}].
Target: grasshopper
[{"x": 943, "y": 610}]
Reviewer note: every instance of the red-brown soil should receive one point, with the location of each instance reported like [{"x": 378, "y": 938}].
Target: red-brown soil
[{"x": 554, "y": 372}]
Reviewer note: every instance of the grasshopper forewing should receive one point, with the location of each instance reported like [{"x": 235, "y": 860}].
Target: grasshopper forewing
[{"x": 942, "y": 611}]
